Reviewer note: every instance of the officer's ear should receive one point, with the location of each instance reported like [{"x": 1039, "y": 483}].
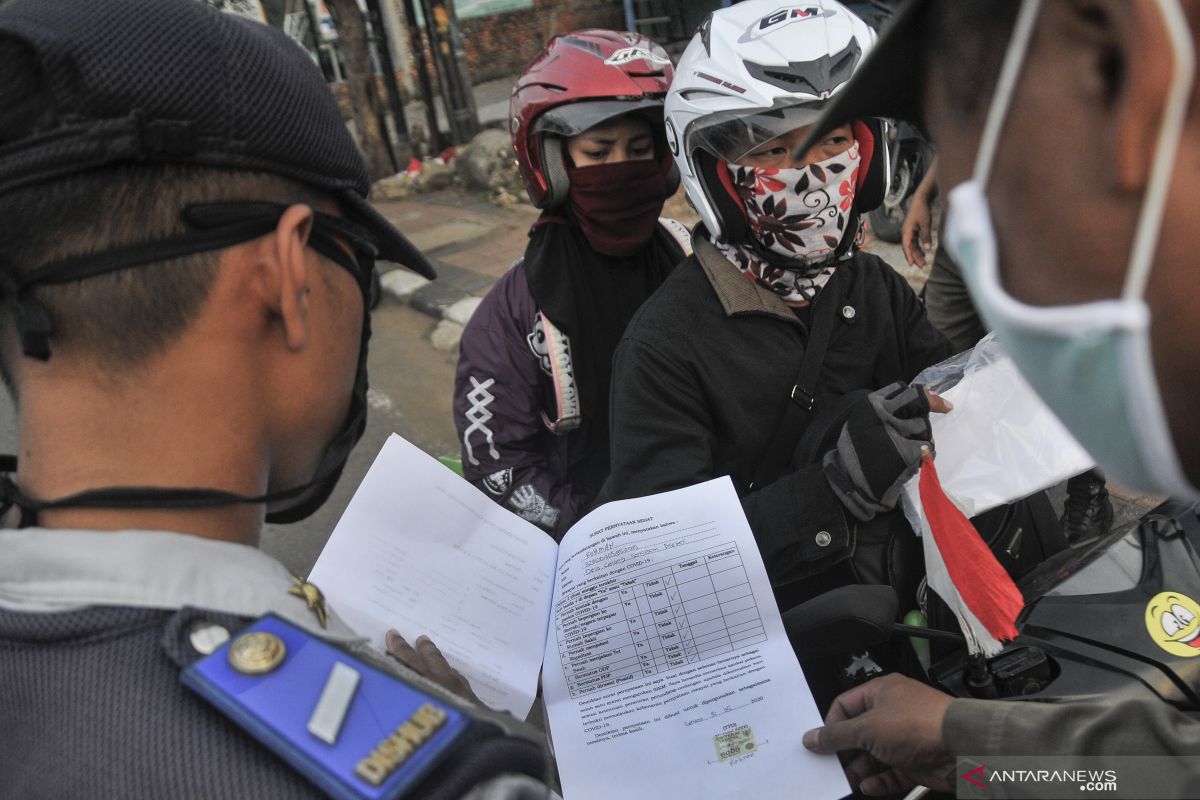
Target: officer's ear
[
  {"x": 291, "y": 276},
  {"x": 1124, "y": 65}
]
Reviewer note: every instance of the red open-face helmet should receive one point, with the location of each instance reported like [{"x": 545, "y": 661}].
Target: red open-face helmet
[{"x": 578, "y": 81}]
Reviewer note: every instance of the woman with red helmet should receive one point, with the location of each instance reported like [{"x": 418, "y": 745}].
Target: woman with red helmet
[{"x": 531, "y": 394}]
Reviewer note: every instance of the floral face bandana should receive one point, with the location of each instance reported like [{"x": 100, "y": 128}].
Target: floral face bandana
[{"x": 797, "y": 218}]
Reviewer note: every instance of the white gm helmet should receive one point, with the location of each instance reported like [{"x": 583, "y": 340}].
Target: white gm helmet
[{"x": 755, "y": 71}]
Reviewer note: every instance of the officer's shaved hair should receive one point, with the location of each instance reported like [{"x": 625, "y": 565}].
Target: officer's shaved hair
[{"x": 122, "y": 318}]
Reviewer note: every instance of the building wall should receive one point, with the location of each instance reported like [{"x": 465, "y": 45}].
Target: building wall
[{"x": 502, "y": 44}]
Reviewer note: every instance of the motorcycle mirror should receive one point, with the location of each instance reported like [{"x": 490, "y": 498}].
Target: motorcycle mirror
[{"x": 849, "y": 618}]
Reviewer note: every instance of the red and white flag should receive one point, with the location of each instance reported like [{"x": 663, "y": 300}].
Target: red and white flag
[{"x": 961, "y": 567}]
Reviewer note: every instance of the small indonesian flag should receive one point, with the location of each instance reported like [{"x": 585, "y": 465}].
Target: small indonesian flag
[{"x": 962, "y": 569}]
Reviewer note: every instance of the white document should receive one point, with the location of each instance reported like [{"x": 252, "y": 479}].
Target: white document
[
  {"x": 422, "y": 551},
  {"x": 667, "y": 672}
]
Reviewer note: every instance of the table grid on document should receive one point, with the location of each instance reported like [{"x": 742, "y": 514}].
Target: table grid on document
[{"x": 658, "y": 619}]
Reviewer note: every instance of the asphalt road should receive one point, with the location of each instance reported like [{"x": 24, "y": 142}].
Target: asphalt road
[{"x": 411, "y": 389}]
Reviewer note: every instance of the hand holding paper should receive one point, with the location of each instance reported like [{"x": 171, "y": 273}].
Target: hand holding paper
[{"x": 425, "y": 658}]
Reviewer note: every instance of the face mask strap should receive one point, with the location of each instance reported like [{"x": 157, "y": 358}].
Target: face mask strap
[
  {"x": 1149, "y": 226},
  {"x": 1006, "y": 84},
  {"x": 313, "y": 491},
  {"x": 214, "y": 218},
  {"x": 220, "y": 225}
]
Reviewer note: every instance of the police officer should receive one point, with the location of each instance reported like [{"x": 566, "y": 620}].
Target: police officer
[{"x": 185, "y": 258}]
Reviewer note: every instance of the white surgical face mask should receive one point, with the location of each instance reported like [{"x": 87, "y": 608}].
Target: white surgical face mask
[{"x": 1090, "y": 363}]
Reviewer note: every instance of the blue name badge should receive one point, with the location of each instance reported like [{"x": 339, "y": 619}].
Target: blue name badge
[{"x": 370, "y": 737}]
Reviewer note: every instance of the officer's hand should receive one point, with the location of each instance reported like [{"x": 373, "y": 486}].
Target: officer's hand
[
  {"x": 879, "y": 447},
  {"x": 895, "y": 726},
  {"x": 426, "y": 659}
]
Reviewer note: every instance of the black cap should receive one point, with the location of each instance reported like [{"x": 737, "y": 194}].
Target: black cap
[
  {"x": 891, "y": 80},
  {"x": 177, "y": 82}
]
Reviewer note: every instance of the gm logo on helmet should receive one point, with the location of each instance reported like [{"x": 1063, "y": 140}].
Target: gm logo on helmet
[
  {"x": 792, "y": 14},
  {"x": 627, "y": 54}
]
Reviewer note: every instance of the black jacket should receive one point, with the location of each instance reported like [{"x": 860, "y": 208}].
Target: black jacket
[{"x": 703, "y": 375}]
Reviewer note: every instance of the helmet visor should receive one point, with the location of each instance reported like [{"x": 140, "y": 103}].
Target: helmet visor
[
  {"x": 731, "y": 135},
  {"x": 575, "y": 118}
]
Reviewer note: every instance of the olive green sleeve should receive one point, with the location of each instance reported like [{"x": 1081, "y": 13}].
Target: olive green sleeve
[{"x": 1130, "y": 727}]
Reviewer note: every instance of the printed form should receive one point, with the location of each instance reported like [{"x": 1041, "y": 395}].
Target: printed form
[{"x": 667, "y": 671}]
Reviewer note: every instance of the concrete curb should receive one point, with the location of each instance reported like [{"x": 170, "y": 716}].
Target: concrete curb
[
  {"x": 446, "y": 335},
  {"x": 400, "y": 284},
  {"x": 461, "y": 310},
  {"x": 452, "y": 307}
]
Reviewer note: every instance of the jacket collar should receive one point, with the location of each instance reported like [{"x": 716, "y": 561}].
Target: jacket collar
[
  {"x": 60, "y": 570},
  {"x": 737, "y": 294}
]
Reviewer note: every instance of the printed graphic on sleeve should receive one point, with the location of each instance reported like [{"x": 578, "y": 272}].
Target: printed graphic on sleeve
[
  {"x": 498, "y": 482},
  {"x": 537, "y": 343},
  {"x": 531, "y": 506},
  {"x": 553, "y": 350},
  {"x": 478, "y": 415}
]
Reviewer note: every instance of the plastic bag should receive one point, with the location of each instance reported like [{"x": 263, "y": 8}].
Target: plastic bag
[{"x": 1001, "y": 442}]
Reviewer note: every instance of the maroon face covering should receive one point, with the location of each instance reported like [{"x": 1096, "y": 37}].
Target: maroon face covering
[{"x": 617, "y": 205}]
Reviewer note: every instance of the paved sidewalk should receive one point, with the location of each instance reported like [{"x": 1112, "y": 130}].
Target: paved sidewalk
[{"x": 472, "y": 242}]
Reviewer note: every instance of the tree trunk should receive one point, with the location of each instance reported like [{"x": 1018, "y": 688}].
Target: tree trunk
[{"x": 360, "y": 82}]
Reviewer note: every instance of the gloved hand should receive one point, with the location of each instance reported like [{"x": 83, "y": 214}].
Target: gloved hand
[{"x": 879, "y": 449}]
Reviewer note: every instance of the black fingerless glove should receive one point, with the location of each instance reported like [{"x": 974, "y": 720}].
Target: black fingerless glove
[{"x": 879, "y": 449}]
